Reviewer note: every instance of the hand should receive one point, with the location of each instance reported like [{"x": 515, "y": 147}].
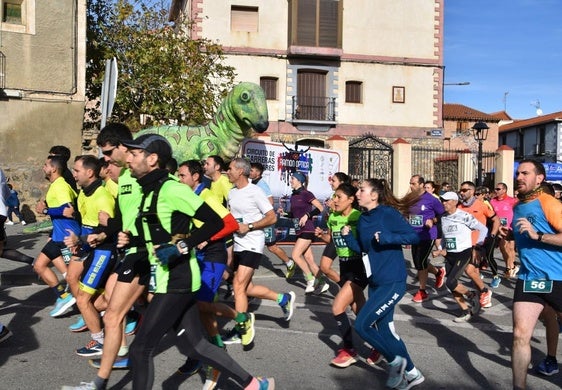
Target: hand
[
  {"x": 71, "y": 240},
  {"x": 439, "y": 252},
  {"x": 167, "y": 253},
  {"x": 40, "y": 206},
  {"x": 318, "y": 232},
  {"x": 525, "y": 227},
  {"x": 123, "y": 239},
  {"x": 377, "y": 236},
  {"x": 345, "y": 230},
  {"x": 429, "y": 223},
  {"x": 303, "y": 220},
  {"x": 68, "y": 211},
  {"x": 95, "y": 239}
]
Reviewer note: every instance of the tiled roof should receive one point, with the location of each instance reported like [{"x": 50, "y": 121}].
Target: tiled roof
[
  {"x": 532, "y": 121},
  {"x": 459, "y": 111},
  {"x": 502, "y": 115}
]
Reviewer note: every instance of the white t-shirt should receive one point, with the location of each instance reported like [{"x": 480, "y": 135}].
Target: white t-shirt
[
  {"x": 457, "y": 230},
  {"x": 249, "y": 204}
]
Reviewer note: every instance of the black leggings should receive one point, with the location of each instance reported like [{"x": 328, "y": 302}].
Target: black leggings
[{"x": 162, "y": 314}]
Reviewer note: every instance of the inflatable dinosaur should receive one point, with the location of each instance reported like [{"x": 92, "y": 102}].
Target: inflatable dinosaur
[{"x": 243, "y": 109}]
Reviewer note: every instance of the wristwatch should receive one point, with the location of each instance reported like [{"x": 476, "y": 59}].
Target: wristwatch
[
  {"x": 184, "y": 248},
  {"x": 45, "y": 211},
  {"x": 250, "y": 226},
  {"x": 540, "y": 234}
]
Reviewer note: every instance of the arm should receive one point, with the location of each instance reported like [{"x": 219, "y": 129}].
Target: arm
[
  {"x": 268, "y": 219},
  {"x": 397, "y": 231},
  {"x": 350, "y": 239},
  {"x": 213, "y": 224}
]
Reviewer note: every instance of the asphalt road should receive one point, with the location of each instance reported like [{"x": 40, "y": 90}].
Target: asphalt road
[{"x": 475, "y": 355}]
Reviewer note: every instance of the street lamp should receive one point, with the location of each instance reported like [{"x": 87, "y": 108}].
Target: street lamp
[{"x": 480, "y": 132}]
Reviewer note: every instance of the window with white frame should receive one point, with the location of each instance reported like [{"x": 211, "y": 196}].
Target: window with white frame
[{"x": 17, "y": 16}]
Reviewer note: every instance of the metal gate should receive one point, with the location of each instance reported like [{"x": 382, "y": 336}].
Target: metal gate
[{"x": 370, "y": 157}]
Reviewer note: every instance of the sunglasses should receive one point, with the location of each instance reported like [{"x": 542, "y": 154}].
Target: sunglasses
[
  {"x": 465, "y": 189},
  {"x": 108, "y": 152},
  {"x": 498, "y": 189}
]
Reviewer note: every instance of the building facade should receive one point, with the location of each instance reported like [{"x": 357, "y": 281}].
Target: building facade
[
  {"x": 539, "y": 138},
  {"x": 334, "y": 67},
  {"x": 42, "y": 84}
]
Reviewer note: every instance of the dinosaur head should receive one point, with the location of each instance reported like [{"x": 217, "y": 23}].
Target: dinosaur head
[{"x": 248, "y": 104}]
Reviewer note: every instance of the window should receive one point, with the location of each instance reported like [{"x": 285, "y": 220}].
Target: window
[
  {"x": 17, "y": 16},
  {"x": 353, "y": 91},
  {"x": 269, "y": 86},
  {"x": 311, "y": 95},
  {"x": 462, "y": 127},
  {"x": 316, "y": 23},
  {"x": 243, "y": 18},
  {"x": 12, "y": 13}
]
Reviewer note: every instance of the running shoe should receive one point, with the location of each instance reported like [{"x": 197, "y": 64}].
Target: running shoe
[
  {"x": 486, "y": 299},
  {"x": 132, "y": 322},
  {"x": 345, "y": 358},
  {"x": 289, "y": 307},
  {"x": 247, "y": 330},
  {"x": 322, "y": 286},
  {"x": 8, "y": 223},
  {"x": 92, "y": 349},
  {"x": 440, "y": 277},
  {"x": 81, "y": 386},
  {"x": 38, "y": 227},
  {"x": 495, "y": 283},
  {"x": 5, "y": 334},
  {"x": 229, "y": 291},
  {"x": 291, "y": 270},
  {"x": 190, "y": 367},
  {"x": 420, "y": 296},
  {"x": 310, "y": 284},
  {"x": 411, "y": 380},
  {"x": 232, "y": 337},
  {"x": 212, "y": 376},
  {"x": 23, "y": 223},
  {"x": 63, "y": 305},
  {"x": 79, "y": 325},
  {"x": 511, "y": 272},
  {"x": 121, "y": 363},
  {"x": 464, "y": 317},
  {"x": 266, "y": 383},
  {"x": 396, "y": 372},
  {"x": 547, "y": 367},
  {"x": 374, "y": 358}
]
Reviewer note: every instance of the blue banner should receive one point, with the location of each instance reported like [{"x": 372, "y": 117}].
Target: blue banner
[{"x": 553, "y": 171}]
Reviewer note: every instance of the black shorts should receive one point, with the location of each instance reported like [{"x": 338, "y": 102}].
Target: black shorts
[
  {"x": 134, "y": 264},
  {"x": 420, "y": 254},
  {"x": 352, "y": 269},
  {"x": 330, "y": 251},
  {"x": 52, "y": 249},
  {"x": 553, "y": 298},
  {"x": 306, "y": 236},
  {"x": 247, "y": 258}
]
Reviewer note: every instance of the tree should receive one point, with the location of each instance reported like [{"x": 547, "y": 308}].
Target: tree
[{"x": 163, "y": 73}]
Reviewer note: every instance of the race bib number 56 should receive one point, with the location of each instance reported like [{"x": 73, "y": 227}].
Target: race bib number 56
[{"x": 537, "y": 286}]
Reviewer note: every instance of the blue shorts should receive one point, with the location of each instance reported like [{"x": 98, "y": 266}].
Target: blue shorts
[
  {"x": 97, "y": 268},
  {"x": 211, "y": 278}
]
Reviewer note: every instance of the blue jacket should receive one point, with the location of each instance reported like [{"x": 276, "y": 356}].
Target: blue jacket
[{"x": 385, "y": 257}]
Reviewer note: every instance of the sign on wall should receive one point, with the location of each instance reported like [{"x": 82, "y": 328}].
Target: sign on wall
[{"x": 279, "y": 163}]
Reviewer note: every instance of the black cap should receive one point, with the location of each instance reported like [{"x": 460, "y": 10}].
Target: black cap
[{"x": 152, "y": 143}]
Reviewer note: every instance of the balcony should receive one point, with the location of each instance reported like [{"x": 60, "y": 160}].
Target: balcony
[{"x": 314, "y": 110}]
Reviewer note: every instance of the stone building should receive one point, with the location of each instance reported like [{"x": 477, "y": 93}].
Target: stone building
[{"x": 42, "y": 86}]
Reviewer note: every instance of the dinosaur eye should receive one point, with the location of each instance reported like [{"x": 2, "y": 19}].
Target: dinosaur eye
[{"x": 245, "y": 96}]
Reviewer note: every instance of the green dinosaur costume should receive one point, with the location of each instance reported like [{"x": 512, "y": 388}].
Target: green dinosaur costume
[{"x": 243, "y": 109}]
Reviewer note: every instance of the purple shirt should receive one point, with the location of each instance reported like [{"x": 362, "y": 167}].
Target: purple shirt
[
  {"x": 301, "y": 203},
  {"x": 427, "y": 207}
]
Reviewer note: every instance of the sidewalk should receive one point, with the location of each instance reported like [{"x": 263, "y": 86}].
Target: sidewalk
[{"x": 15, "y": 273}]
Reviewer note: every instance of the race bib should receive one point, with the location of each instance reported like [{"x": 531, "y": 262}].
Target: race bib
[
  {"x": 416, "y": 220},
  {"x": 537, "y": 286},
  {"x": 451, "y": 243},
  {"x": 339, "y": 241},
  {"x": 269, "y": 238}
]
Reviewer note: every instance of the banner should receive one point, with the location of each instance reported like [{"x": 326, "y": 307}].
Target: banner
[{"x": 279, "y": 163}]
